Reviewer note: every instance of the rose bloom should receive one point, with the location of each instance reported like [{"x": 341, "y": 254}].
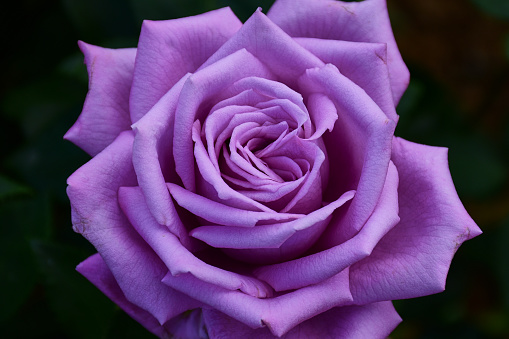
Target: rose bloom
[{"x": 245, "y": 180}]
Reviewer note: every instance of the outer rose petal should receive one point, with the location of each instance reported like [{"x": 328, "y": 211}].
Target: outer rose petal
[
  {"x": 176, "y": 257},
  {"x": 372, "y": 321},
  {"x": 363, "y": 63},
  {"x": 413, "y": 259},
  {"x": 169, "y": 49},
  {"x": 95, "y": 270},
  {"x": 366, "y": 21},
  {"x": 152, "y": 163},
  {"x": 97, "y": 216},
  {"x": 106, "y": 110},
  {"x": 280, "y": 314}
]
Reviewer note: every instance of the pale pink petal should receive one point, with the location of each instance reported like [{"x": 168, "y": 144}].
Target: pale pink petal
[
  {"x": 97, "y": 216},
  {"x": 365, "y": 21},
  {"x": 373, "y": 321},
  {"x": 413, "y": 259},
  {"x": 106, "y": 110},
  {"x": 167, "y": 50}
]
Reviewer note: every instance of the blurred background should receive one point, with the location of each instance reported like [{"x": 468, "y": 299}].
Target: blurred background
[{"x": 458, "y": 55}]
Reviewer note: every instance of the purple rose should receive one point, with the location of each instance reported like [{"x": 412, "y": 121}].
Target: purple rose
[{"x": 245, "y": 180}]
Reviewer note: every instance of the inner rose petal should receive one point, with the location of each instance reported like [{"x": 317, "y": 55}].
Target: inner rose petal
[
  {"x": 270, "y": 243},
  {"x": 221, "y": 214}
]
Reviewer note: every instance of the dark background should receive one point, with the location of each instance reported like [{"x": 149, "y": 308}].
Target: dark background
[{"x": 458, "y": 55}]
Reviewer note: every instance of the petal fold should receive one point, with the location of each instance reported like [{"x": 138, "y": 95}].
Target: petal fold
[
  {"x": 106, "y": 110},
  {"x": 359, "y": 147},
  {"x": 363, "y": 63},
  {"x": 279, "y": 314},
  {"x": 96, "y": 271},
  {"x": 176, "y": 257},
  {"x": 316, "y": 267},
  {"x": 167, "y": 50},
  {"x": 413, "y": 259},
  {"x": 374, "y": 321},
  {"x": 365, "y": 21},
  {"x": 97, "y": 216}
]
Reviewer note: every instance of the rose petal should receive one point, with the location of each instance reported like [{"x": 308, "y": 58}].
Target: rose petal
[
  {"x": 366, "y": 21},
  {"x": 374, "y": 321},
  {"x": 271, "y": 243},
  {"x": 177, "y": 258},
  {"x": 268, "y": 43},
  {"x": 413, "y": 259},
  {"x": 211, "y": 184},
  {"x": 222, "y": 214},
  {"x": 97, "y": 216},
  {"x": 276, "y": 91},
  {"x": 316, "y": 267},
  {"x": 363, "y": 63},
  {"x": 360, "y": 144},
  {"x": 323, "y": 114},
  {"x": 153, "y": 165},
  {"x": 198, "y": 89},
  {"x": 217, "y": 127},
  {"x": 95, "y": 270},
  {"x": 279, "y": 314},
  {"x": 188, "y": 325},
  {"x": 106, "y": 110},
  {"x": 167, "y": 50}
]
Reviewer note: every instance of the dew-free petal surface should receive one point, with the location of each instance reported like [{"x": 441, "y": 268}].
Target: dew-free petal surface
[
  {"x": 96, "y": 271},
  {"x": 167, "y": 50},
  {"x": 363, "y": 63},
  {"x": 413, "y": 259},
  {"x": 198, "y": 90},
  {"x": 365, "y": 21},
  {"x": 177, "y": 258},
  {"x": 322, "y": 265},
  {"x": 152, "y": 161},
  {"x": 97, "y": 216},
  {"x": 279, "y": 314},
  {"x": 106, "y": 110},
  {"x": 374, "y": 321},
  {"x": 365, "y": 133},
  {"x": 274, "y": 242},
  {"x": 268, "y": 43}
]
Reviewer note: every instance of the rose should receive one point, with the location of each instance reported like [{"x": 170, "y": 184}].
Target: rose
[{"x": 250, "y": 171}]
